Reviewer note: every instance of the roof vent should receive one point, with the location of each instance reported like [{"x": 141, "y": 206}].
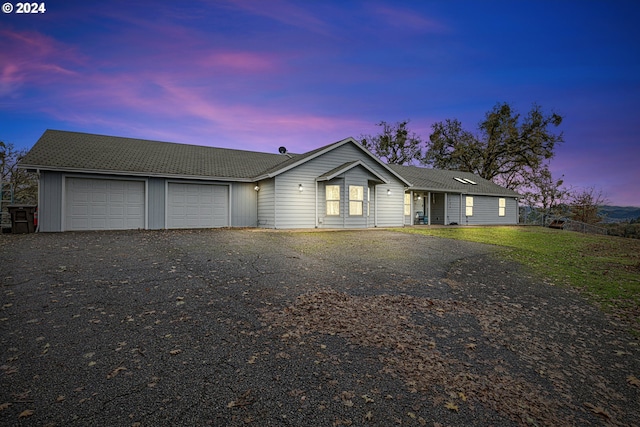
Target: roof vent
[{"x": 282, "y": 150}]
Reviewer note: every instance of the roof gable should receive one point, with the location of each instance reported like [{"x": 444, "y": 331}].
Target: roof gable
[
  {"x": 303, "y": 158},
  {"x": 345, "y": 167}
]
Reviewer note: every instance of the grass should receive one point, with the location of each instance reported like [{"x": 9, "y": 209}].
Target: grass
[{"x": 606, "y": 268}]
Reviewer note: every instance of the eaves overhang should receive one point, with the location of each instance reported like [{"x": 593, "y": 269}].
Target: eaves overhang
[{"x": 136, "y": 174}]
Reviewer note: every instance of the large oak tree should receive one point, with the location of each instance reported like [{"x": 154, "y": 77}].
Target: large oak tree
[
  {"x": 395, "y": 145},
  {"x": 506, "y": 148}
]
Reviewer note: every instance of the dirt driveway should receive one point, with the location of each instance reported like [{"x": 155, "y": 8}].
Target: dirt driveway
[{"x": 242, "y": 327}]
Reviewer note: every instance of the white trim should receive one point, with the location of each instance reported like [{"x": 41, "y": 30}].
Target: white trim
[
  {"x": 331, "y": 148},
  {"x": 316, "y": 206}
]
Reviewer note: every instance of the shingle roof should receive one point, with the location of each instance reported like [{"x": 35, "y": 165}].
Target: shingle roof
[
  {"x": 444, "y": 180},
  {"x": 88, "y": 152},
  {"x": 75, "y": 151}
]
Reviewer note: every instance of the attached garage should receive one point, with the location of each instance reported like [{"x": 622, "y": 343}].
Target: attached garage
[
  {"x": 104, "y": 204},
  {"x": 197, "y": 205}
]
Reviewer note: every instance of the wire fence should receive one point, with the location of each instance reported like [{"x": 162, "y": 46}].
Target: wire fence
[{"x": 535, "y": 217}]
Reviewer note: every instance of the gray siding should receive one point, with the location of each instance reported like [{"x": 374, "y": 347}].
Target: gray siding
[
  {"x": 485, "y": 211},
  {"x": 390, "y": 212},
  {"x": 244, "y": 205},
  {"x": 454, "y": 204},
  {"x": 358, "y": 177},
  {"x": 295, "y": 209},
  {"x": 437, "y": 209},
  {"x": 156, "y": 203},
  {"x": 50, "y": 203},
  {"x": 266, "y": 204}
]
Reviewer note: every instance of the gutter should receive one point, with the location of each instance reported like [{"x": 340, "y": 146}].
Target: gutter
[{"x": 137, "y": 173}]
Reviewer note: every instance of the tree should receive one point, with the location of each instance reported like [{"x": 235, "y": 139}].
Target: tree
[
  {"x": 506, "y": 150},
  {"x": 395, "y": 145},
  {"x": 546, "y": 194},
  {"x": 585, "y": 205},
  {"x": 23, "y": 184}
]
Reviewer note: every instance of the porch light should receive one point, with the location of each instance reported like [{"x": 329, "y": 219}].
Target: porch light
[
  {"x": 257, "y": 188},
  {"x": 388, "y": 192},
  {"x": 300, "y": 188},
  {"x": 419, "y": 197}
]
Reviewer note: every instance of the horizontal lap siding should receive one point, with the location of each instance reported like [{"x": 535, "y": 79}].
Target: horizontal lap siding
[
  {"x": 266, "y": 204},
  {"x": 357, "y": 177},
  {"x": 485, "y": 211},
  {"x": 390, "y": 212},
  {"x": 437, "y": 209},
  {"x": 244, "y": 211},
  {"x": 295, "y": 209},
  {"x": 453, "y": 209}
]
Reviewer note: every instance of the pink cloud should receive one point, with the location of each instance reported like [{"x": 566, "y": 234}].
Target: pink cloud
[{"x": 30, "y": 57}]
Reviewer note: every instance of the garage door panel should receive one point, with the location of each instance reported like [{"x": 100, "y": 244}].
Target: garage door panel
[
  {"x": 103, "y": 204},
  {"x": 197, "y": 206}
]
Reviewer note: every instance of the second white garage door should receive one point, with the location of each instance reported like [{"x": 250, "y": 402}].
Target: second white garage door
[{"x": 197, "y": 206}]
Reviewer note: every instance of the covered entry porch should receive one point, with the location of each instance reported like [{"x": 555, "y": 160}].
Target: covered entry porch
[{"x": 425, "y": 208}]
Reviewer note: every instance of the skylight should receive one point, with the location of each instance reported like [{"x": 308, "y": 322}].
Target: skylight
[{"x": 465, "y": 181}]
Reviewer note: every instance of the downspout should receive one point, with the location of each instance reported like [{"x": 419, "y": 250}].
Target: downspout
[
  {"x": 429, "y": 208},
  {"x": 316, "y": 208},
  {"x": 411, "y": 208},
  {"x": 38, "y": 202},
  {"x": 375, "y": 206},
  {"x": 446, "y": 213}
]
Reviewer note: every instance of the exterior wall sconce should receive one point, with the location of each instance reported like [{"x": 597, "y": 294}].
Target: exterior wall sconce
[
  {"x": 300, "y": 188},
  {"x": 419, "y": 197},
  {"x": 257, "y": 188},
  {"x": 388, "y": 192}
]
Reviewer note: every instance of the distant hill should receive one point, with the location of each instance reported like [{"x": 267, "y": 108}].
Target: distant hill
[{"x": 619, "y": 213}]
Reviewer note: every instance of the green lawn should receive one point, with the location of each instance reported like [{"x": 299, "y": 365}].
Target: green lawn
[{"x": 606, "y": 268}]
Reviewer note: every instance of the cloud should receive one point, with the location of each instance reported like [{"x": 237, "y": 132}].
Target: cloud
[
  {"x": 286, "y": 13},
  {"x": 31, "y": 57},
  {"x": 408, "y": 19}
]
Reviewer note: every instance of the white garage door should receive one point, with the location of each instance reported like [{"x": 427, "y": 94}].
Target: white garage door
[
  {"x": 197, "y": 206},
  {"x": 104, "y": 204}
]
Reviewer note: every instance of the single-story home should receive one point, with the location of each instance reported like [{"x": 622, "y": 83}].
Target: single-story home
[{"x": 97, "y": 182}]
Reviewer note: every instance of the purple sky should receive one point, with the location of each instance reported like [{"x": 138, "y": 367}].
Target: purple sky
[{"x": 259, "y": 74}]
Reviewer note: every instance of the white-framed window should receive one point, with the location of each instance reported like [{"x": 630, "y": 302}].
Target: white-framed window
[
  {"x": 407, "y": 204},
  {"x": 469, "y": 206},
  {"x": 502, "y": 207},
  {"x": 368, "y": 201},
  {"x": 356, "y": 198},
  {"x": 333, "y": 199}
]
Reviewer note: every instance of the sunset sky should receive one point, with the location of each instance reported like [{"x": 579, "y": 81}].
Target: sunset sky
[{"x": 257, "y": 75}]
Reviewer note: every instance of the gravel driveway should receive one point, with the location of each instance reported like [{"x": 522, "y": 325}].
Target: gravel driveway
[{"x": 264, "y": 328}]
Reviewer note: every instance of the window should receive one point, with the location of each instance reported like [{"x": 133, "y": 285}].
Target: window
[
  {"x": 469, "y": 204},
  {"x": 502, "y": 207},
  {"x": 407, "y": 204},
  {"x": 333, "y": 199},
  {"x": 356, "y": 197}
]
